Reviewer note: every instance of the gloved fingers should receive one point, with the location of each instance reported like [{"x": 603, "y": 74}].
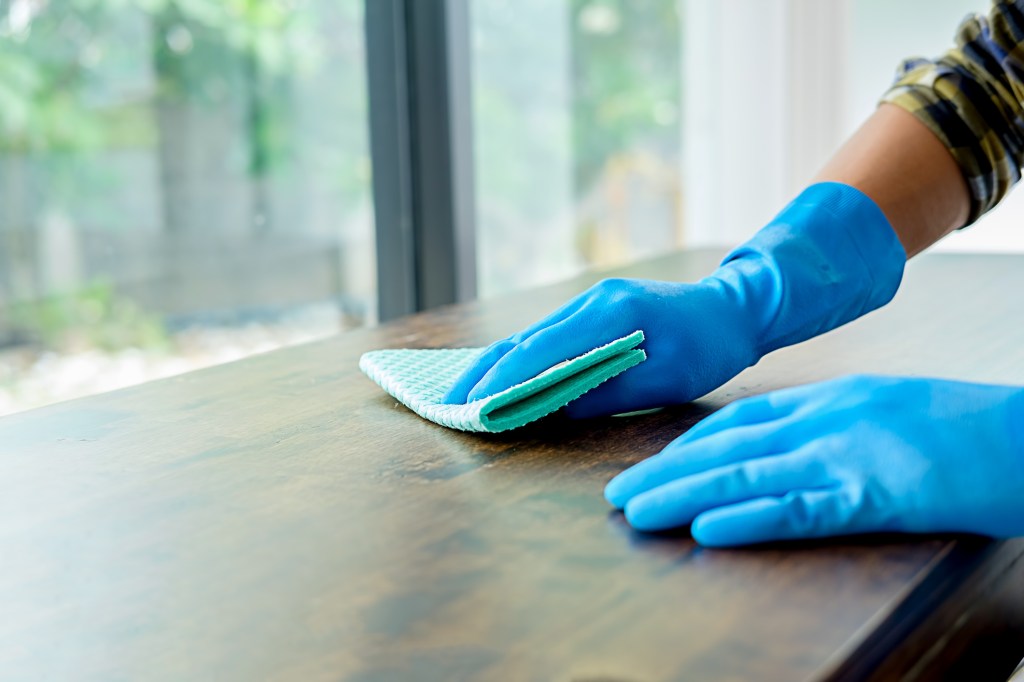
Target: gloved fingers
[
  {"x": 713, "y": 452},
  {"x": 743, "y": 412},
  {"x": 796, "y": 515},
  {"x": 679, "y": 502},
  {"x": 471, "y": 376},
  {"x": 562, "y": 341}
]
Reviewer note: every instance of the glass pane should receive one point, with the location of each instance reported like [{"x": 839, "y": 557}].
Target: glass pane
[
  {"x": 181, "y": 184},
  {"x": 577, "y": 137}
]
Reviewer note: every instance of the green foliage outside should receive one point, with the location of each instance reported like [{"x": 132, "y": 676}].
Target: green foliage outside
[
  {"x": 82, "y": 81},
  {"x": 75, "y": 80},
  {"x": 626, "y": 81},
  {"x": 93, "y": 317},
  {"x": 72, "y": 49},
  {"x": 625, "y": 90}
]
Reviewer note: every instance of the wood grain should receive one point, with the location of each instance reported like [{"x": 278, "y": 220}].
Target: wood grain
[{"x": 281, "y": 518}]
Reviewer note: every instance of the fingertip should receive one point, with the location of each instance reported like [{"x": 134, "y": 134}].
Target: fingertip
[
  {"x": 636, "y": 480},
  {"x": 707, "y": 531},
  {"x": 495, "y": 380},
  {"x": 642, "y": 516},
  {"x": 514, "y": 368},
  {"x": 614, "y": 493},
  {"x": 468, "y": 382},
  {"x": 484, "y": 390},
  {"x": 746, "y": 523},
  {"x": 458, "y": 394}
]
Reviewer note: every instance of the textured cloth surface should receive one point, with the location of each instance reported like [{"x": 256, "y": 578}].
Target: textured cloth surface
[{"x": 419, "y": 379}]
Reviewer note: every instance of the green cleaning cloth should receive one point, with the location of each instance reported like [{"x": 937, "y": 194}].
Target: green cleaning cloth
[{"x": 419, "y": 379}]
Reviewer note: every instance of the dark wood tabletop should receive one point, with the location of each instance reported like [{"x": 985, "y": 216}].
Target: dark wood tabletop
[{"x": 281, "y": 518}]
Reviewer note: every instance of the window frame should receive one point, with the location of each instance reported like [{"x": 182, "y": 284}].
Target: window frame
[
  {"x": 421, "y": 143},
  {"x": 419, "y": 81}
]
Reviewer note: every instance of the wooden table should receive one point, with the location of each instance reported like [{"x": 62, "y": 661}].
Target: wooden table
[{"x": 281, "y": 518}]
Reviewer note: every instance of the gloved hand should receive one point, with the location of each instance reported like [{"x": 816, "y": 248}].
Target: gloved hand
[
  {"x": 827, "y": 258},
  {"x": 854, "y": 455}
]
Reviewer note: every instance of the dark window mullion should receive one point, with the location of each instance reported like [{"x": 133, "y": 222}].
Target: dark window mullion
[
  {"x": 387, "y": 85},
  {"x": 421, "y": 144}
]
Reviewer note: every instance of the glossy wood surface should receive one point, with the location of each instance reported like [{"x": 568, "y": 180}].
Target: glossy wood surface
[{"x": 281, "y": 518}]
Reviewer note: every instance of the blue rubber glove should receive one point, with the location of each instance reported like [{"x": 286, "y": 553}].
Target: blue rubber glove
[
  {"x": 854, "y": 455},
  {"x": 826, "y": 259}
]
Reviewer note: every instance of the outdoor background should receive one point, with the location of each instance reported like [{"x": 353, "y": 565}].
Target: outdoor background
[{"x": 187, "y": 182}]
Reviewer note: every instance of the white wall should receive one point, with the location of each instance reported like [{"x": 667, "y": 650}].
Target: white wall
[
  {"x": 762, "y": 107},
  {"x": 772, "y": 87}
]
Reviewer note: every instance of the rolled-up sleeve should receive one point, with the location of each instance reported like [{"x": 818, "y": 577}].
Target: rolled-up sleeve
[{"x": 972, "y": 98}]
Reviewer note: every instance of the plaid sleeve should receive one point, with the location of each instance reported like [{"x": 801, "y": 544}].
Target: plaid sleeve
[{"x": 972, "y": 98}]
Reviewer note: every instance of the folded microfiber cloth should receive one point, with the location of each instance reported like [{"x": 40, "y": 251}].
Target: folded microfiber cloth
[{"x": 419, "y": 379}]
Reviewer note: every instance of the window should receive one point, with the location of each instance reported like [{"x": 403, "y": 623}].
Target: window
[
  {"x": 577, "y": 136},
  {"x": 188, "y": 182},
  {"x": 181, "y": 183}
]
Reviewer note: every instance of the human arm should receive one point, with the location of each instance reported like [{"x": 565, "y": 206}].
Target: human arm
[
  {"x": 971, "y": 101},
  {"x": 908, "y": 172},
  {"x": 829, "y": 257},
  {"x": 916, "y": 159},
  {"x": 876, "y": 453},
  {"x": 894, "y": 160}
]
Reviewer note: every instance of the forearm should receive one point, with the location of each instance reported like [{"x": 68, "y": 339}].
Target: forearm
[
  {"x": 905, "y": 169},
  {"x": 837, "y": 252},
  {"x": 970, "y": 99}
]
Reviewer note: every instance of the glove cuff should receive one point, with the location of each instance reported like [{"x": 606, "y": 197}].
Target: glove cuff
[
  {"x": 865, "y": 226},
  {"x": 829, "y": 257}
]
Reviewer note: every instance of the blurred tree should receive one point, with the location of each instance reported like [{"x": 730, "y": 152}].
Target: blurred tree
[
  {"x": 627, "y": 87},
  {"x": 53, "y": 54},
  {"x": 70, "y": 77},
  {"x": 626, "y": 81},
  {"x": 234, "y": 103}
]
